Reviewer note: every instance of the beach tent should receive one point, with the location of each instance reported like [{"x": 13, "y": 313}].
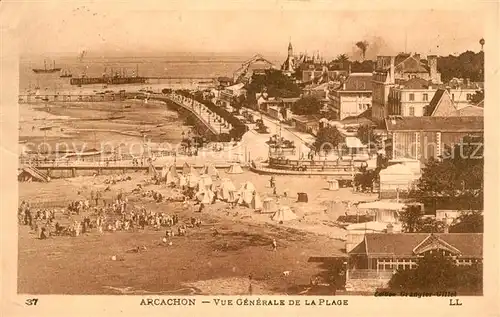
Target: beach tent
[
  {"x": 205, "y": 181},
  {"x": 225, "y": 189},
  {"x": 188, "y": 169},
  {"x": 247, "y": 186},
  {"x": 205, "y": 196},
  {"x": 256, "y": 202},
  {"x": 192, "y": 180},
  {"x": 164, "y": 171},
  {"x": 182, "y": 181},
  {"x": 385, "y": 211},
  {"x": 173, "y": 169},
  {"x": 235, "y": 169},
  {"x": 210, "y": 170},
  {"x": 245, "y": 197},
  {"x": 284, "y": 214},
  {"x": 171, "y": 179}
]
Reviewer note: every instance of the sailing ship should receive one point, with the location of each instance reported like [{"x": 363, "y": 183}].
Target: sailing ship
[
  {"x": 46, "y": 70},
  {"x": 65, "y": 74}
]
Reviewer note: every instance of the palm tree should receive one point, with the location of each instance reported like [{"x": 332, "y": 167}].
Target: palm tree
[{"x": 342, "y": 58}]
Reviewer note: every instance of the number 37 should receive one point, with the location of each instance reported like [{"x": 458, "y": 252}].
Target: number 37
[{"x": 31, "y": 302}]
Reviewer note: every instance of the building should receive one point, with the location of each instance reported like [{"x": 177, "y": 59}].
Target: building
[
  {"x": 227, "y": 94},
  {"x": 375, "y": 259},
  {"x": 354, "y": 96},
  {"x": 411, "y": 97},
  {"x": 274, "y": 107},
  {"x": 390, "y": 70},
  {"x": 420, "y": 138},
  {"x": 445, "y": 104},
  {"x": 307, "y": 123}
]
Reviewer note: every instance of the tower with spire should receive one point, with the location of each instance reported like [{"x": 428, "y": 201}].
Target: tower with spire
[{"x": 290, "y": 48}]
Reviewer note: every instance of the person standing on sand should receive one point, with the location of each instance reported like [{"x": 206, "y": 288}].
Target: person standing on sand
[{"x": 275, "y": 245}]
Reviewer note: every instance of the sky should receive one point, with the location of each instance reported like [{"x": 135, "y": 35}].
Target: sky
[{"x": 154, "y": 27}]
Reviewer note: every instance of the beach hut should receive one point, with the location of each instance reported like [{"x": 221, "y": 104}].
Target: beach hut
[
  {"x": 333, "y": 184},
  {"x": 268, "y": 205},
  {"x": 205, "y": 196},
  {"x": 398, "y": 177},
  {"x": 182, "y": 181},
  {"x": 235, "y": 169},
  {"x": 225, "y": 189},
  {"x": 245, "y": 197},
  {"x": 284, "y": 214},
  {"x": 209, "y": 169}
]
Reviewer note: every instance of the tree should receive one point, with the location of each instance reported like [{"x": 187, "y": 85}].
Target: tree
[
  {"x": 413, "y": 221},
  {"x": 366, "y": 134},
  {"x": 436, "y": 272},
  {"x": 238, "y": 102},
  {"x": 307, "y": 105},
  {"x": 466, "y": 65},
  {"x": 469, "y": 221},
  {"x": 274, "y": 82},
  {"x": 457, "y": 177},
  {"x": 363, "y": 46},
  {"x": 477, "y": 97},
  {"x": 328, "y": 138}
]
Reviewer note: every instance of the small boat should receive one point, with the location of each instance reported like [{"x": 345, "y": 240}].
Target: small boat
[
  {"x": 46, "y": 128},
  {"x": 46, "y": 70}
]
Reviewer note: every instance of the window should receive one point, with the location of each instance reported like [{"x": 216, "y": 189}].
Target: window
[
  {"x": 412, "y": 97},
  {"x": 412, "y": 111},
  {"x": 426, "y": 97}
]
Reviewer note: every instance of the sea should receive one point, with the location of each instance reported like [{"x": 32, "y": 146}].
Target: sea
[{"x": 171, "y": 65}]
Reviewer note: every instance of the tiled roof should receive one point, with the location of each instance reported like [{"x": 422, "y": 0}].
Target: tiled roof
[
  {"x": 439, "y": 124},
  {"x": 403, "y": 244},
  {"x": 434, "y": 102},
  {"x": 416, "y": 83},
  {"x": 358, "y": 82},
  {"x": 411, "y": 65},
  {"x": 470, "y": 111}
]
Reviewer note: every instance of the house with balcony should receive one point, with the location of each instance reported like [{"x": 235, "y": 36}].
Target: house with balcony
[
  {"x": 376, "y": 258},
  {"x": 227, "y": 94},
  {"x": 354, "y": 96}
]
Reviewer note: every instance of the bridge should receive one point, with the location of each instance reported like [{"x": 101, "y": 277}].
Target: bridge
[{"x": 213, "y": 123}]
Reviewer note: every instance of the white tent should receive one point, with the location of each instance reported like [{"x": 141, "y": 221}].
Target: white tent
[
  {"x": 284, "y": 214},
  {"x": 235, "y": 169},
  {"x": 354, "y": 142},
  {"x": 245, "y": 197},
  {"x": 205, "y": 182},
  {"x": 182, "y": 181},
  {"x": 192, "y": 180},
  {"x": 247, "y": 186},
  {"x": 209, "y": 169},
  {"x": 225, "y": 189},
  {"x": 173, "y": 169},
  {"x": 188, "y": 169},
  {"x": 256, "y": 202},
  {"x": 205, "y": 196},
  {"x": 170, "y": 178}
]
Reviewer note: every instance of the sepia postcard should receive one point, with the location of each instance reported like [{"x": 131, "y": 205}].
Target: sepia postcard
[{"x": 249, "y": 157}]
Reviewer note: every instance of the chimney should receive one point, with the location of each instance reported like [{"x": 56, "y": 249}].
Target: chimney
[
  {"x": 390, "y": 228},
  {"x": 380, "y": 62},
  {"x": 392, "y": 79},
  {"x": 432, "y": 62}
]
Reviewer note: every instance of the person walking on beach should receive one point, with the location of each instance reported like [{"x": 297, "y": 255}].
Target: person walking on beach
[{"x": 275, "y": 245}]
